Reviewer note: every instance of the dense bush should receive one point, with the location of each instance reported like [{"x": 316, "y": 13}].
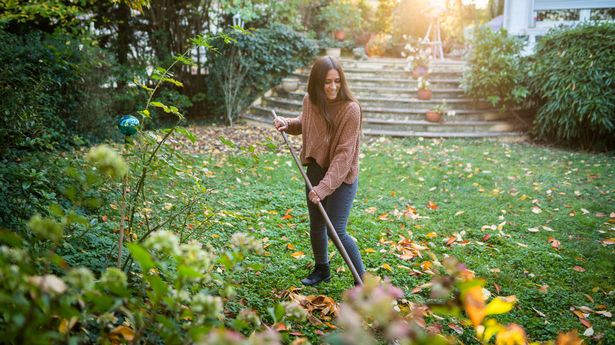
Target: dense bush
[
  {"x": 496, "y": 72},
  {"x": 572, "y": 83},
  {"x": 253, "y": 64},
  {"x": 50, "y": 89}
]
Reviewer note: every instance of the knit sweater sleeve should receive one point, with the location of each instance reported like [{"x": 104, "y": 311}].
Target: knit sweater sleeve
[
  {"x": 343, "y": 155},
  {"x": 294, "y": 124}
]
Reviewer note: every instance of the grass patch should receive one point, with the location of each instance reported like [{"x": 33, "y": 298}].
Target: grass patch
[{"x": 522, "y": 197}]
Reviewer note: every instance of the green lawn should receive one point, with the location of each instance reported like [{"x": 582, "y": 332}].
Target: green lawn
[{"x": 522, "y": 197}]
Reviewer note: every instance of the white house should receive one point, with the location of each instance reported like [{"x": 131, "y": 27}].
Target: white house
[{"x": 531, "y": 19}]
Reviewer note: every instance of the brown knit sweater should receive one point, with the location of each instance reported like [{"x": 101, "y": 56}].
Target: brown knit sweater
[{"x": 339, "y": 155}]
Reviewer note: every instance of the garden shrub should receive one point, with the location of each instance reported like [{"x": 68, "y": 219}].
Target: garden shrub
[
  {"x": 496, "y": 72},
  {"x": 242, "y": 71},
  {"x": 50, "y": 90},
  {"x": 572, "y": 83}
]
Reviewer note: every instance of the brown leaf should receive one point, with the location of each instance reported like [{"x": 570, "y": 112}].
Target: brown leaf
[
  {"x": 586, "y": 323},
  {"x": 578, "y": 269},
  {"x": 486, "y": 237},
  {"x": 497, "y": 288},
  {"x": 456, "y": 328},
  {"x": 127, "y": 333},
  {"x": 431, "y": 205}
]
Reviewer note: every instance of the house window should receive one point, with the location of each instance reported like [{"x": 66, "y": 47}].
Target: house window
[
  {"x": 557, "y": 15},
  {"x": 602, "y": 14}
]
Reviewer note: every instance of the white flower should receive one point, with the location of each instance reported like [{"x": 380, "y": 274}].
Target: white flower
[{"x": 164, "y": 242}]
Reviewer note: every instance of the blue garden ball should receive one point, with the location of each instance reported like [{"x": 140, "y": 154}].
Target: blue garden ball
[{"x": 128, "y": 125}]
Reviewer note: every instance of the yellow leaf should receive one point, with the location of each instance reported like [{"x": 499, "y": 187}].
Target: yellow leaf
[
  {"x": 297, "y": 255},
  {"x": 387, "y": 267},
  {"x": 474, "y": 304},
  {"x": 511, "y": 335},
  {"x": 370, "y": 250},
  {"x": 431, "y": 235},
  {"x": 215, "y": 236},
  {"x": 500, "y": 305},
  {"x": 290, "y": 246}
]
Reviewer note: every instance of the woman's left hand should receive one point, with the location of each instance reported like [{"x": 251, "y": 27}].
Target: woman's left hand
[{"x": 313, "y": 197}]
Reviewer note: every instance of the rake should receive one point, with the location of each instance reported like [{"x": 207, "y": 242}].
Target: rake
[{"x": 331, "y": 230}]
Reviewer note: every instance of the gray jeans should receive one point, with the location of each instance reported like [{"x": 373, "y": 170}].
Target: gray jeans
[{"x": 337, "y": 206}]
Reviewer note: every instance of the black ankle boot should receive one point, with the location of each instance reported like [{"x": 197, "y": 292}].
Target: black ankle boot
[{"x": 319, "y": 274}]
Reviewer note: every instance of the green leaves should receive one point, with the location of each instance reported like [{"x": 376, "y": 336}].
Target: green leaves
[
  {"x": 572, "y": 86},
  {"x": 496, "y": 69},
  {"x": 141, "y": 256}
]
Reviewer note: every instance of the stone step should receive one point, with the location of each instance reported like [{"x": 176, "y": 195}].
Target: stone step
[
  {"x": 395, "y": 73},
  {"x": 416, "y": 115},
  {"x": 397, "y": 82},
  {"x": 407, "y": 102},
  {"x": 391, "y": 92},
  {"x": 426, "y": 129},
  {"x": 445, "y": 126},
  {"x": 398, "y": 63},
  {"x": 499, "y": 136}
]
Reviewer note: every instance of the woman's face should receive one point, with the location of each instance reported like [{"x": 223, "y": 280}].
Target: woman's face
[{"x": 332, "y": 84}]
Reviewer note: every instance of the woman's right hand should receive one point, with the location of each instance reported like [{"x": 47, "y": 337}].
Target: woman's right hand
[{"x": 280, "y": 124}]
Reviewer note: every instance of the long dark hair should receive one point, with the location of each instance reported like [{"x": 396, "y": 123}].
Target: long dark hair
[{"x": 316, "y": 88}]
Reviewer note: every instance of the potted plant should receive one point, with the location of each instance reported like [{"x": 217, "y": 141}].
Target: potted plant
[
  {"x": 423, "y": 90},
  {"x": 339, "y": 16},
  {"x": 437, "y": 113},
  {"x": 417, "y": 58},
  {"x": 290, "y": 84},
  {"x": 378, "y": 45}
]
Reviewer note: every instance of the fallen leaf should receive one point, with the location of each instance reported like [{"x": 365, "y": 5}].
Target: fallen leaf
[
  {"x": 486, "y": 237},
  {"x": 104, "y": 218},
  {"x": 290, "y": 246},
  {"x": 608, "y": 241},
  {"x": 459, "y": 213},
  {"x": 554, "y": 243},
  {"x": 586, "y": 323},
  {"x": 604, "y": 313},
  {"x": 370, "y": 210},
  {"x": 387, "y": 267},
  {"x": 533, "y": 230},
  {"x": 544, "y": 288},
  {"x": 584, "y": 211},
  {"x": 287, "y": 214},
  {"x": 432, "y": 205},
  {"x": 497, "y": 288},
  {"x": 536, "y": 210},
  {"x": 589, "y": 332},
  {"x": 451, "y": 240},
  {"x": 126, "y": 332},
  {"x": 431, "y": 235},
  {"x": 578, "y": 269},
  {"x": 456, "y": 328},
  {"x": 298, "y": 255},
  {"x": 539, "y": 312},
  {"x": 370, "y": 250}
]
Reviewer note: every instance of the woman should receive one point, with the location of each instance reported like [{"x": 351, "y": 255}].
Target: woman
[{"x": 331, "y": 126}]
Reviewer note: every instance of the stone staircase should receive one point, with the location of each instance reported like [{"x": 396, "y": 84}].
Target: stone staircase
[{"x": 387, "y": 94}]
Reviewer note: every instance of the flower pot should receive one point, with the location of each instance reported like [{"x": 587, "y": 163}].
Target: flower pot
[
  {"x": 334, "y": 52},
  {"x": 433, "y": 116},
  {"x": 424, "y": 94},
  {"x": 339, "y": 35},
  {"x": 419, "y": 71},
  {"x": 290, "y": 84}
]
